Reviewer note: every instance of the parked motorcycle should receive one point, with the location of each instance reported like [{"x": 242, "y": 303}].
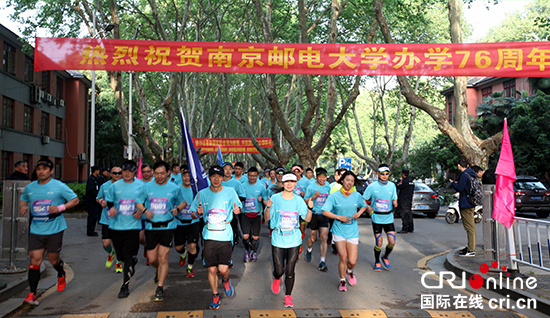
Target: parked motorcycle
[{"x": 453, "y": 213}]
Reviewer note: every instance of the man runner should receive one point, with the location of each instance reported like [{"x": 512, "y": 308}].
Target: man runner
[
  {"x": 251, "y": 222},
  {"x": 47, "y": 198}
]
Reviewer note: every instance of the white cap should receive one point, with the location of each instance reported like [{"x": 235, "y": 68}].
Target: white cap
[
  {"x": 289, "y": 177},
  {"x": 382, "y": 169}
]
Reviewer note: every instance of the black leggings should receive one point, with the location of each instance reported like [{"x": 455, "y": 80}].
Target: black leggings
[{"x": 284, "y": 261}]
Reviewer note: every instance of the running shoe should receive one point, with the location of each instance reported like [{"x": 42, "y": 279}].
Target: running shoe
[
  {"x": 342, "y": 286},
  {"x": 159, "y": 294},
  {"x": 351, "y": 279},
  {"x": 276, "y": 286},
  {"x": 246, "y": 256},
  {"x": 31, "y": 299},
  {"x": 377, "y": 267},
  {"x": 215, "y": 304},
  {"x": 308, "y": 256},
  {"x": 61, "y": 283},
  {"x": 323, "y": 267},
  {"x": 386, "y": 264},
  {"x": 334, "y": 250},
  {"x": 288, "y": 301},
  {"x": 190, "y": 273},
  {"x": 118, "y": 267},
  {"x": 124, "y": 291},
  {"x": 301, "y": 248},
  {"x": 228, "y": 288},
  {"x": 183, "y": 258},
  {"x": 110, "y": 259},
  {"x": 254, "y": 257},
  {"x": 147, "y": 263}
]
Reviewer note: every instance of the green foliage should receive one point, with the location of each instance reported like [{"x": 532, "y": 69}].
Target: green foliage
[
  {"x": 441, "y": 150},
  {"x": 494, "y": 109},
  {"x": 80, "y": 190}
]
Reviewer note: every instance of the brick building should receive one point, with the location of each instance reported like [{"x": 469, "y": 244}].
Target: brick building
[{"x": 43, "y": 114}]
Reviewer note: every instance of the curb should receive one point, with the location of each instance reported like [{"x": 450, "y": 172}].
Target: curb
[
  {"x": 15, "y": 287},
  {"x": 543, "y": 305}
]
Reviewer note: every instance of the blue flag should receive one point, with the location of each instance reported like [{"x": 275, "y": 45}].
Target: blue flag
[
  {"x": 220, "y": 157},
  {"x": 198, "y": 176}
]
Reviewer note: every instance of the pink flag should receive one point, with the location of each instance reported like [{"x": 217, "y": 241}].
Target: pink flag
[
  {"x": 139, "y": 175},
  {"x": 504, "y": 207}
]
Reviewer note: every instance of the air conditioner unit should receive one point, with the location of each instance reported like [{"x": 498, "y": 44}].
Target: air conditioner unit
[
  {"x": 45, "y": 140},
  {"x": 61, "y": 103},
  {"x": 55, "y": 102},
  {"x": 49, "y": 98},
  {"x": 35, "y": 94},
  {"x": 82, "y": 156}
]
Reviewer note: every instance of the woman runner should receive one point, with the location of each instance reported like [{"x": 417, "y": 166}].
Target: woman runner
[
  {"x": 345, "y": 206},
  {"x": 284, "y": 210}
]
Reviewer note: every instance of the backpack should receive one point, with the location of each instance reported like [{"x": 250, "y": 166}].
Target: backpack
[{"x": 475, "y": 193}]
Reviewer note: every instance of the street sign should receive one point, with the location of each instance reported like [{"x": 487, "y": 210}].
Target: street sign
[{"x": 344, "y": 163}]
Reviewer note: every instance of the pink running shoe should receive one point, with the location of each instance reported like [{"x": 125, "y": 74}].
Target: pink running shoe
[
  {"x": 288, "y": 301},
  {"x": 351, "y": 279},
  {"x": 342, "y": 287},
  {"x": 276, "y": 286}
]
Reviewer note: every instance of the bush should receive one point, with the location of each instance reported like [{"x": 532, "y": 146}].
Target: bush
[{"x": 80, "y": 190}]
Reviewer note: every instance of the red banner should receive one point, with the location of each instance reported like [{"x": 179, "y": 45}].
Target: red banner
[
  {"x": 231, "y": 145},
  {"x": 517, "y": 59}
]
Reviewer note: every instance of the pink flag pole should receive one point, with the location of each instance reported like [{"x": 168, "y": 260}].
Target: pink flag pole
[
  {"x": 139, "y": 175},
  {"x": 504, "y": 207}
]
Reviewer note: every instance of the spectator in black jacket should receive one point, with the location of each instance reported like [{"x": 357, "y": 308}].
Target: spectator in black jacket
[
  {"x": 405, "y": 186},
  {"x": 466, "y": 209},
  {"x": 93, "y": 208},
  {"x": 487, "y": 176},
  {"x": 21, "y": 171}
]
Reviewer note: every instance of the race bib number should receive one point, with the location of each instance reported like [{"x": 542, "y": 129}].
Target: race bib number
[
  {"x": 250, "y": 204},
  {"x": 40, "y": 210},
  {"x": 289, "y": 219},
  {"x": 297, "y": 190},
  {"x": 106, "y": 212},
  {"x": 185, "y": 213},
  {"x": 382, "y": 205},
  {"x": 126, "y": 206},
  {"x": 159, "y": 205},
  {"x": 321, "y": 199},
  {"x": 216, "y": 216}
]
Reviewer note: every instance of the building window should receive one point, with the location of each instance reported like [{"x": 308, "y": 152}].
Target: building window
[
  {"x": 7, "y": 112},
  {"x": 27, "y": 120},
  {"x": 58, "y": 170},
  {"x": 45, "y": 85},
  {"x": 9, "y": 58},
  {"x": 58, "y": 128},
  {"x": 59, "y": 88},
  {"x": 486, "y": 92},
  {"x": 5, "y": 166},
  {"x": 451, "y": 108},
  {"x": 29, "y": 70},
  {"x": 510, "y": 88},
  {"x": 45, "y": 124}
]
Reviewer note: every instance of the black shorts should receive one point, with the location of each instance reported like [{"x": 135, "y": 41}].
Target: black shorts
[
  {"x": 156, "y": 237},
  {"x": 187, "y": 233},
  {"x": 105, "y": 232},
  {"x": 126, "y": 243},
  {"x": 52, "y": 243},
  {"x": 317, "y": 221},
  {"x": 217, "y": 253},
  {"x": 254, "y": 224},
  {"x": 377, "y": 228}
]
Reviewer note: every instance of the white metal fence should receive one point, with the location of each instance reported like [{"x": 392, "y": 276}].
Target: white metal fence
[{"x": 532, "y": 238}]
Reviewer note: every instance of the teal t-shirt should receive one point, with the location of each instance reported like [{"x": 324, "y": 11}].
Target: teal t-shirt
[
  {"x": 185, "y": 214},
  {"x": 160, "y": 200},
  {"x": 176, "y": 178},
  {"x": 285, "y": 220},
  {"x": 218, "y": 213},
  {"x": 236, "y": 185},
  {"x": 381, "y": 197},
  {"x": 124, "y": 195},
  {"x": 338, "y": 204},
  {"x": 243, "y": 180},
  {"x": 102, "y": 194},
  {"x": 321, "y": 199},
  {"x": 301, "y": 186},
  {"x": 253, "y": 191},
  {"x": 40, "y": 197}
]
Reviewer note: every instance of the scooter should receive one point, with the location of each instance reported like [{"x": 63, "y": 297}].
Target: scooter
[{"x": 453, "y": 213}]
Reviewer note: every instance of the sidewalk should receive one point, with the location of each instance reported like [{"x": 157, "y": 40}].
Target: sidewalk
[{"x": 473, "y": 266}]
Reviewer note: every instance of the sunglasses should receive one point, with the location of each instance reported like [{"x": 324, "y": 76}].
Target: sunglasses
[
  {"x": 385, "y": 173},
  {"x": 117, "y": 173},
  {"x": 280, "y": 172}
]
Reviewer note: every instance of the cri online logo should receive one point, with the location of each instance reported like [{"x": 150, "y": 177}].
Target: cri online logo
[{"x": 476, "y": 281}]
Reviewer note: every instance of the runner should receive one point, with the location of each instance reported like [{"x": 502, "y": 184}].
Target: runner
[
  {"x": 230, "y": 182},
  {"x": 47, "y": 199},
  {"x": 116, "y": 174},
  {"x": 188, "y": 229},
  {"x": 239, "y": 170},
  {"x": 147, "y": 176},
  {"x": 176, "y": 175},
  {"x": 159, "y": 201},
  {"x": 216, "y": 205},
  {"x": 383, "y": 196},
  {"x": 284, "y": 211},
  {"x": 309, "y": 175},
  {"x": 125, "y": 222},
  {"x": 335, "y": 186},
  {"x": 346, "y": 206},
  {"x": 300, "y": 190},
  {"x": 270, "y": 191},
  {"x": 252, "y": 220},
  {"x": 317, "y": 193}
]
